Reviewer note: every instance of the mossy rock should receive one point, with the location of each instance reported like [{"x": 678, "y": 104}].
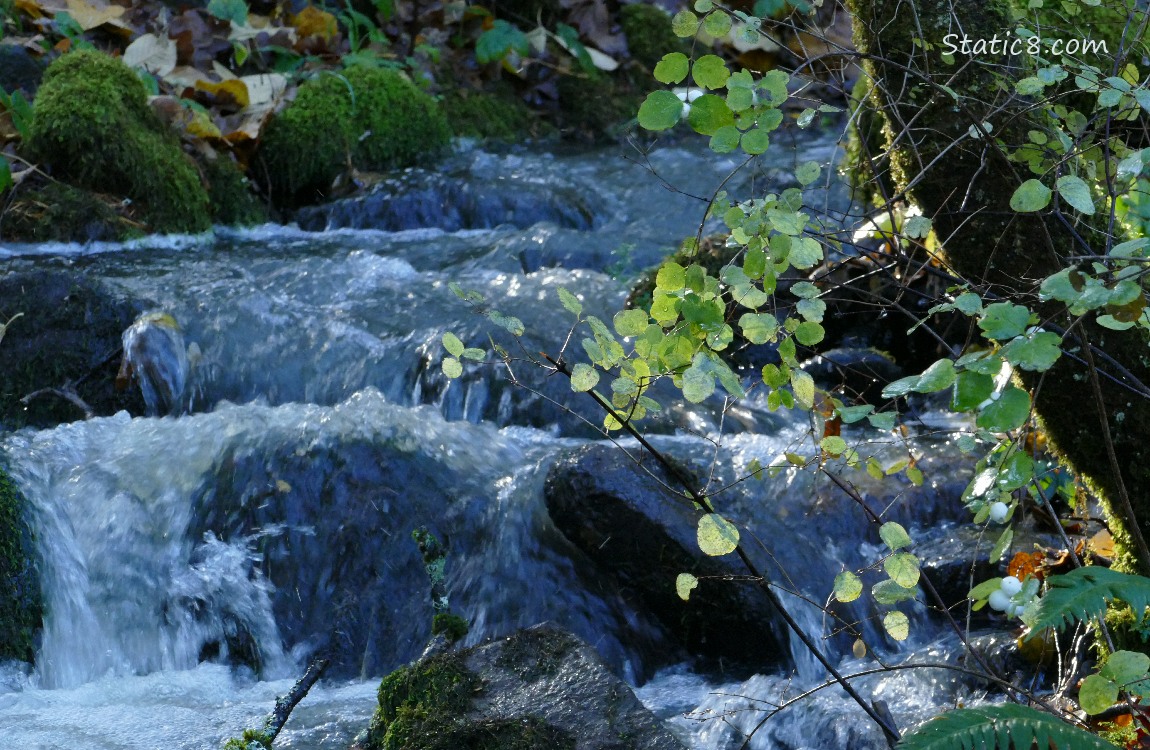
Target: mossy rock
[
  {"x": 596, "y": 106},
  {"x": 423, "y": 707},
  {"x": 370, "y": 118},
  {"x": 57, "y": 212},
  {"x": 649, "y": 34},
  {"x": 477, "y": 114},
  {"x": 229, "y": 192},
  {"x": 430, "y": 692},
  {"x": 93, "y": 127},
  {"x": 20, "y": 605}
]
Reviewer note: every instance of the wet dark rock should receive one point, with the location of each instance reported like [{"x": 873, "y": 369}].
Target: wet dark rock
[
  {"x": 19, "y": 70},
  {"x": 541, "y": 687},
  {"x": 853, "y": 372},
  {"x": 642, "y": 536},
  {"x": 419, "y": 199},
  {"x": 68, "y": 333},
  {"x": 334, "y": 541}
]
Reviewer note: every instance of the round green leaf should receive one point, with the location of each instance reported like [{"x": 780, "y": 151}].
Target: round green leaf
[
  {"x": 756, "y": 141},
  {"x": 848, "y": 586},
  {"x": 717, "y": 536},
  {"x": 1126, "y": 667},
  {"x": 584, "y": 377},
  {"x": 1004, "y": 320},
  {"x": 630, "y": 322},
  {"x": 725, "y": 140},
  {"x": 684, "y": 23},
  {"x": 759, "y": 328},
  {"x": 673, "y": 68},
  {"x": 671, "y": 277},
  {"x": 1031, "y": 195},
  {"x": 739, "y": 99},
  {"x": 902, "y": 567},
  {"x": 896, "y": 625},
  {"x": 807, "y": 173},
  {"x": 685, "y": 583},
  {"x": 970, "y": 390},
  {"x": 809, "y": 333},
  {"x": 1008, "y": 412},
  {"x": 660, "y": 110},
  {"x": 710, "y": 72},
  {"x": 717, "y": 24},
  {"x": 709, "y": 113},
  {"x": 698, "y": 383},
  {"x": 894, "y": 535},
  {"x": 1075, "y": 192},
  {"x": 938, "y": 376},
  {"x": 1097, "y": 694},
  {"x": 452, "y": 344},
  {"x": 834, "y": 445},
  {"x": 888, "y": 592},
  {"x": 452, "y": 367}
]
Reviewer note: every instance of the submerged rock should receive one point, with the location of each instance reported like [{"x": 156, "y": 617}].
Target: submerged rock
[
  {"x": 539, "y": 688},
  {"x": 156, "y": 358},
  {"x": 642, "y": 536}
]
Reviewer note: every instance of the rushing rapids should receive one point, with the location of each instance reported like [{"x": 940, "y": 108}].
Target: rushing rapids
[{"x": 192, "y": 561}]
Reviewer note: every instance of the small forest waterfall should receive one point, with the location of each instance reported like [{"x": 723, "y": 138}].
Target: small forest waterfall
[{"x": 192, "y": 563}]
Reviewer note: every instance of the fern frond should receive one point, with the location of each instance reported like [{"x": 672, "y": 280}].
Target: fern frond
[
  {"x": 1083, "y": 593},
  {"x": 1000, "y": 728}
]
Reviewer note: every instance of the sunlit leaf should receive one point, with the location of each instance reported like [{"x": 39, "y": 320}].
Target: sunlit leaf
[
  {"x": 716, "y": 535},
  {"x": 894, "y": 535},
  {"x": 896, "y": 625},
  {"x": 685, "y": 583},
  {"x": 848, "y": 586}
]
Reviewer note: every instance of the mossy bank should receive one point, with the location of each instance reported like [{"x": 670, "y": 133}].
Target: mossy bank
[
  {"x": 92, "y": 127},
  {"x": 20, "y": 603}
]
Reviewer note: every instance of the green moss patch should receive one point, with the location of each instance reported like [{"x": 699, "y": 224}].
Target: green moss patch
[
  {"x": 370, "y": 118},
  {"x": 423, "y": 707},
  {"x": 56, "y": 212},
  {"x": 230, "y": 195},
  {"x": 93, "y": 127},
  {"x": 482, "y": 115},
  {"x": 649, "y": 35},
  {"x": 20, "y": 605}
]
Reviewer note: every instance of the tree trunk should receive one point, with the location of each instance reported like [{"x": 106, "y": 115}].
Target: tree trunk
[{"x": 964, "y": 183}]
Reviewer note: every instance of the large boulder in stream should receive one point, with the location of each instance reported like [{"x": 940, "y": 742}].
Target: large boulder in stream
[
  {"x": 539, "y": 688},
  {"x": 622, "y": 517},
  {"x": 65, "y": 340}
]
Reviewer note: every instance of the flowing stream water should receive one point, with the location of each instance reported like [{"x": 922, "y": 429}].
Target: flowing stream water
[{"x": 190, "y": 563}]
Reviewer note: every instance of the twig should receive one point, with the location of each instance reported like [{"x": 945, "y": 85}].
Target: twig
[{"x": 285, "y": 704}]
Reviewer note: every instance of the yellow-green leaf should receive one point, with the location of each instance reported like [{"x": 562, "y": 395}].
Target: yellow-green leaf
[{"x": 717, "y": 536}]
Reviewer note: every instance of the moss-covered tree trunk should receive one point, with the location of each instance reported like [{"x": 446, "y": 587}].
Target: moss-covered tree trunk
[{"x": 964, "y": 184}]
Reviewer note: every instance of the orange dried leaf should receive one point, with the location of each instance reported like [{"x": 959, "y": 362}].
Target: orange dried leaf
[
  {"x": 311, "y": 21},
  {"x": 1026, "y": 564}
]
